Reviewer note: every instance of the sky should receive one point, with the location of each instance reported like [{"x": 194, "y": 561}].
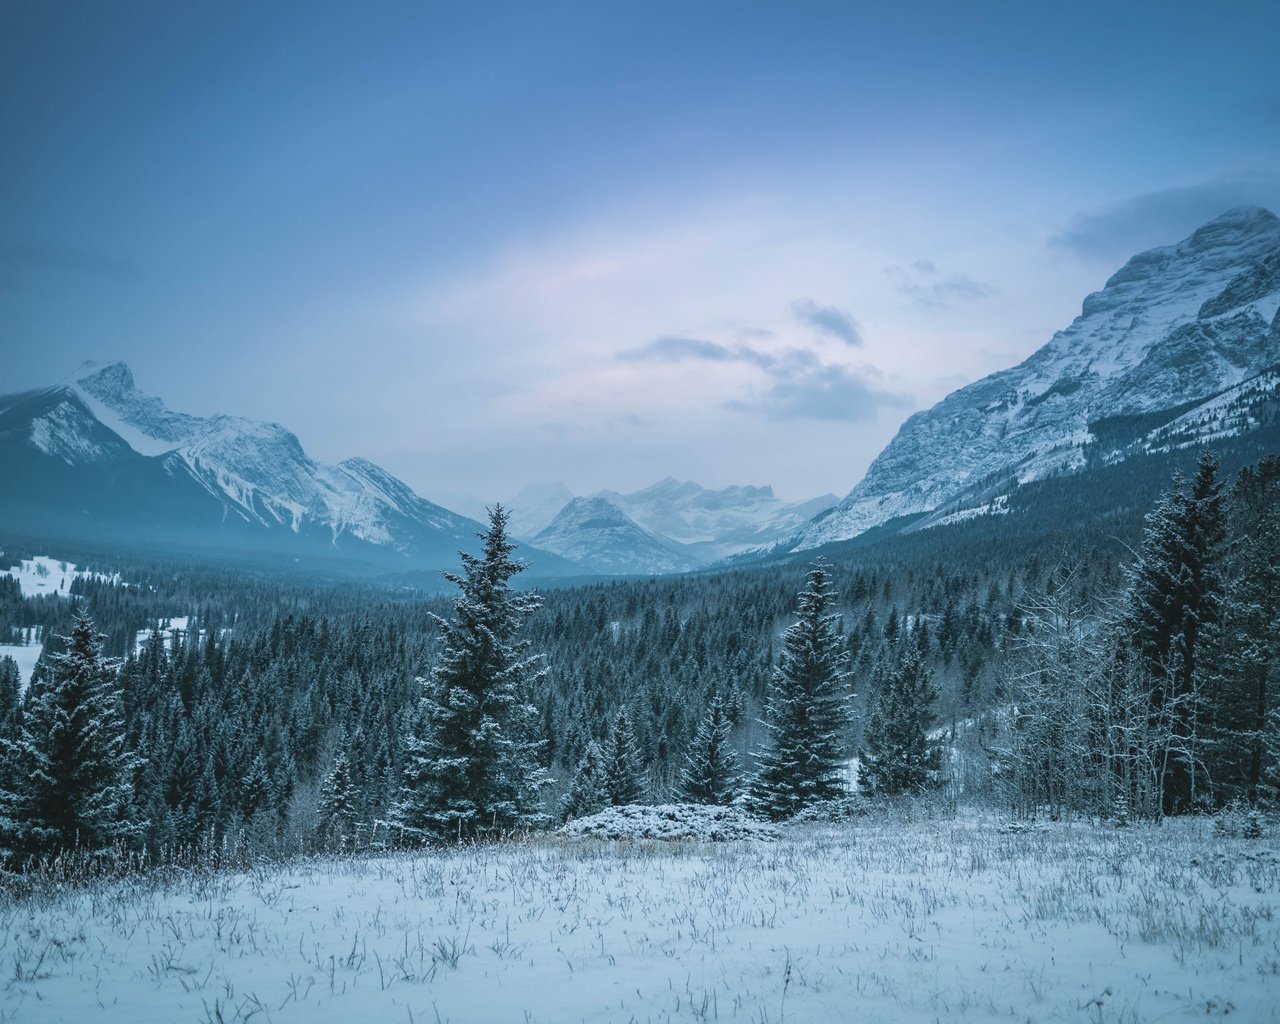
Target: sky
[{"x": 487, "y": 245}]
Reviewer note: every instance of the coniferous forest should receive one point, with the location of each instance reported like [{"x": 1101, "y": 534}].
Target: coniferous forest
[{"x": 1115, "y": 682}]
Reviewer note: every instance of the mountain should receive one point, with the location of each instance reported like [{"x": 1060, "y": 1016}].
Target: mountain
[
  {"x": 1178, "y": 348},
  {"x": 716, "y": 524},
  {"x": 695, "y": 523},
  {"x": 94, "y": 458},
  {"x": 598, "y": 536},
  {"x": 533, "y": 508}
]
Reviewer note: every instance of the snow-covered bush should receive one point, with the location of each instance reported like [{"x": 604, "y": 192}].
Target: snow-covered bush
[
  {"x": 1239, "y": 820},
  {"x": 700, "y": 822},
  {"x": 830, "y": 811}
]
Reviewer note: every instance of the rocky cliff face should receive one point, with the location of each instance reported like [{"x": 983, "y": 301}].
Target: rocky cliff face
[{"x": 1172, "y": 329}]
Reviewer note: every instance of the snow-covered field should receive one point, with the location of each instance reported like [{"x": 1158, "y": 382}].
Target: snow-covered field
[
  {"x": 46, "y": 575},
  {"x": 875, "y": 921}
]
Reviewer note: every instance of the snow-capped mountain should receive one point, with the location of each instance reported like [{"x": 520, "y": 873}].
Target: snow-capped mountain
[
  {"x": 535, "y": 506},
  {"x": 97, "y": 451},
  {"x": 597, "y": 535},
  {"x": 704, "y": 525},
  {"x": 716, "y": 523},
  {"x": 1176, "y": 330}
]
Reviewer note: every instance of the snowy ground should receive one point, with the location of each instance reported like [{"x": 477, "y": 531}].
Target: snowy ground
[
  {"x": 46, "y": 575},
  {"x": 26, "y": 655},
  {"x": 943, "y": 921}
]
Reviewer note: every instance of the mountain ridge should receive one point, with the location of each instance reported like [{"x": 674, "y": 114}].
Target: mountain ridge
[{"x": 1176, "y": 324}]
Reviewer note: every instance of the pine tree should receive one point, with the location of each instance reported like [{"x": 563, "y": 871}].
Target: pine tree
[
  {"x": 807, "y": 709},
  {"x": 589, "y": 791},
  {"x": 68, "y": 775},
  {"x": 473, "y": 766},
  {"x": 1175, "y": 589},
  {"x": 626, "y": 777},
  {"x": 899, "y": 757},
  {"x": 337, "y": 807},
  {"x": 711, "y": 774},
  {"x": 1245, "y": 660}
]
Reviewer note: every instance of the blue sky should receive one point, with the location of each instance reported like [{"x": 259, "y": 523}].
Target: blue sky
[{"x": 489, "y": 244}]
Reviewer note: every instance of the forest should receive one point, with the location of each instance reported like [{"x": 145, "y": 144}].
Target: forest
[{"x": 1098, "y": 676}]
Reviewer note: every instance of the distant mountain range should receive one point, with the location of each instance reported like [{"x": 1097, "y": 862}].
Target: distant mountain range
[
  {"x": 1179, "y": 349},
  {"x": 95, "y": 459},
  {"x": 672, "y": 526}
]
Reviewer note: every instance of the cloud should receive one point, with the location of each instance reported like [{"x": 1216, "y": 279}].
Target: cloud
[
  {"x": 1141, "y": 222},
  {"x": 838, "y": 323},
  {"x": 798, "y": 383},
  {"x": 670, "y": 349},
  {"x": 802, "y": 386},
  {"x": 927, "y": 289},
  {"x": 674, "y": 349}
]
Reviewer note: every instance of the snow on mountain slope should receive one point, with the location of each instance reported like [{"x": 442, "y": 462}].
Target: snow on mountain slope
[
  {"x": 533, "y": 509},
  {"x": 723, "y": 522},
  {"x": 177, "y": 472},
  {"x": 1173, "y": 327},
  {"x": 599, "y": 536}
]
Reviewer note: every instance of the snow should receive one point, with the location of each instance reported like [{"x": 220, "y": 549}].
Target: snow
[
  {"x": 140, "y": 441},
  {"x": 873, "y": 921},
  {"x": 26, "y": 655},
  {"x": 44, "y": 574},
  {"x": 1122, "y": 356},
  {"x": 167, "y": 627},
  {"x": 998, "y": 506},
  {"x": 671, "y": 822},
  {"x": 57, "y": 433}
]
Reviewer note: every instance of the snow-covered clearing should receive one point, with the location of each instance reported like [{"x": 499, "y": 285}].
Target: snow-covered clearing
[
  {"x": 45, "y": 575},
  {"x": 872, "y": 921}
]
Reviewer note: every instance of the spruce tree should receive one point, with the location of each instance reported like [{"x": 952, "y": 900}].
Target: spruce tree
[
  {"x": 623, "y": 770},
  {"x": 589, "y": 791},
  {"x": 1245, "y": 673},
  {"x": 337, "y": 807},
  {"x": 472, "y": 768},
  {"x": 898, "y": 756},
  {"x": 711, "y": 774},
  {"x": 1174, "y": 594},
  {"x": 807, "y": 710},
  {"x": 68, "y": 782}
]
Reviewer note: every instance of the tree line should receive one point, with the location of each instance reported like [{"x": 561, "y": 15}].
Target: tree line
[{"x": 1058, "y": 689}]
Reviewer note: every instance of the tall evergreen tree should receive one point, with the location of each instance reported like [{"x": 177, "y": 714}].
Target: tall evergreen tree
[
  {"x": 68, "y": 777},
  {"x": 1245, "y": 671},
  {"x": 625, "y": 773},
  {"x": 1174, "y": 594},
  {"x": 589, "y": 791},
  {"x": 807, "y": 711},
  {"x": 898, "y": 755},
  {"x": 711, "y": 774},
  {"x": 473, "y": 767},
  {"x": 337, "y": 808}
]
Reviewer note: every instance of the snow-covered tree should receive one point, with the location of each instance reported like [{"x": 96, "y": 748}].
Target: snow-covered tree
[
  {"x": 1243, "y": 678},
  {"x": 803, "y": 761},
  {"x": 898, "y": 755},
  {"x": 473, "y": 767},
  {"x": 589, "y": 791},
  {"x": 337, "y": 812},
  {"x": 1174, "y": 594},
  {"x": 711, "y": 774},
  {"x": 623, "y": 768},
  {"x": 68, "y": 777}
]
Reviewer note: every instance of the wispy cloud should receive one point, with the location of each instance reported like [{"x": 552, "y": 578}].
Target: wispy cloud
[
  {"x": 928, "y": 289},
  {"x": 798, "y": 383},
  {"x": 1159, "y": 218},
  {"x": 829, "y": 320},
  {"x": 803, "y": 387}
]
